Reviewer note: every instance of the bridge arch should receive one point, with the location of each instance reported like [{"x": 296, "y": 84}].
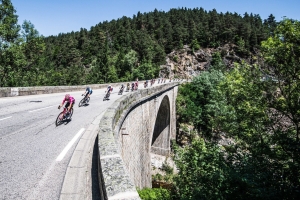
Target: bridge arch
[{"x": 160, "y": 141}]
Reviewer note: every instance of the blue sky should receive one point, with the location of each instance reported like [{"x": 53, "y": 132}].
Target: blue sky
[{"x": 51, "y": 17}]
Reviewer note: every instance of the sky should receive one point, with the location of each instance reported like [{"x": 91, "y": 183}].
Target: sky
[{"x": 51, "y": 17}]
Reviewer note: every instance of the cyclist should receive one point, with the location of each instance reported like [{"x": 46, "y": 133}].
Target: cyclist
[
  {"x": 128, "y": 86},
  {"x": 122, "y": 87},
  {"x": 109, "y": 89},
  {"x": 136, "y": 84},
  {"x": 88, "y": 92},
  {"x": 70, "y": 102}
]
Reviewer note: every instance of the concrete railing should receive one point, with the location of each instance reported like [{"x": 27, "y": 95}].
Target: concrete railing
[
  {"x": 23, "y": 91},
  {"x": 114, "y": 179}
]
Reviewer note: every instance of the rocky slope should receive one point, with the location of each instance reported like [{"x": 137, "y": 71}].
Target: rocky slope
[{"x": 185, "y": 63}]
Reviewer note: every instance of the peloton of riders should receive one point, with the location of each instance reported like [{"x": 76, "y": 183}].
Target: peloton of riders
[{"x": 70, "y": 101}]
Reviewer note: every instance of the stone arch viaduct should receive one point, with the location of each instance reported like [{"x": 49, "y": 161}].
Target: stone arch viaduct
[{"x": 135, "y": 126}]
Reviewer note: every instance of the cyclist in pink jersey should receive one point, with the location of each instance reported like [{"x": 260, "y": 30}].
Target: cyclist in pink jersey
[{"x": 70, "y": 102}]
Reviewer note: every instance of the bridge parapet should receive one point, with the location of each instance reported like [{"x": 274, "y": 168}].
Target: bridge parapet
[
  {"x": 116, "y": 181},
  {"x": 23, "y": 91}
]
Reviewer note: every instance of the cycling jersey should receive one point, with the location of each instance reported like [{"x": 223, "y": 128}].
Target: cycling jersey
[
  {"x": 109, "y": 88},
  {"x": 89, "y": 90},
  {"x": 70, "y": 100}
]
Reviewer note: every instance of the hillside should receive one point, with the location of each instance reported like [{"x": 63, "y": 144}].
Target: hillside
[
  {"x": 127, "y": 48},
  {"x": 186, "y": 63}
]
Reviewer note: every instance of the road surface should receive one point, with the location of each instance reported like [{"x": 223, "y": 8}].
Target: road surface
[{"x": 33, "y": 151}]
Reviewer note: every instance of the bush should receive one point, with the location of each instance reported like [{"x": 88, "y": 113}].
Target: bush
[{"x": 154, "y": 194}]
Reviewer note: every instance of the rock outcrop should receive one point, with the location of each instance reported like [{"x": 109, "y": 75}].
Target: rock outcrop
[{"x": 185, "y": 63}]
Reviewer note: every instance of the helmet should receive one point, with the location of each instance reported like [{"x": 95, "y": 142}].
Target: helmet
[{"x": 67, "y": 96}]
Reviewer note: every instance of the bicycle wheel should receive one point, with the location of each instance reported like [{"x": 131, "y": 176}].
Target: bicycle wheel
[
  {"x": 71, "y": 113},
  {"x": 87, "y": 100},
  {"x": 81, "y": 102},
  {"x": 59, "y": 119}
]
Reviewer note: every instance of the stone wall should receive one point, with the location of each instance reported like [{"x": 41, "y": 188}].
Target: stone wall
[
  {"x": 125, "y": 139},
  {"x": 23, "y": 91}
]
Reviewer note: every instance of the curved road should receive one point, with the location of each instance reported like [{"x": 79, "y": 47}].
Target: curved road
[{"x": 32, "y": 165}]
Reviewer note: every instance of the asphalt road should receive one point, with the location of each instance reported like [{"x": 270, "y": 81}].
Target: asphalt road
[{"x": 32, "y": 165}]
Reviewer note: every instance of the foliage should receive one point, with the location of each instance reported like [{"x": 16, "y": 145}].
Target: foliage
[
  {"x": 260, "y": 118},
  {"x": 154, "y": 194},
  {"x": 282, "y": 53},
  {"x": 217, "y": 62},
  {"x": 191, "y": 97},
  {"x": 119, "y": 50},
  {"x": 202, "y": 171},
  {"x": 195, "y": 45}
]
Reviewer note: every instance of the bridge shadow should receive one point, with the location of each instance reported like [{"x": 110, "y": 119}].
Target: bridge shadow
[
  {"x": 96, "y": 194},
  {"x": 161, "y": 133}
]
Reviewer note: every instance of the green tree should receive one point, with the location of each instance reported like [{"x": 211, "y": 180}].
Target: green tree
[
  {"x": 195, "y": 45},
  {"x": 130, "y": 62},
  {"x": 193, "y": 100},
  {"x": 9, "y": 29},
  {"x": 282, "y": 53},
  {"x": 9, "y": 32},
  {"x": 217, "y": 62},
  {"x": 203, "y": 172}
]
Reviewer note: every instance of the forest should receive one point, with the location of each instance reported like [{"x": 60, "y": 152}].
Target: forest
[
  {"x": 118, "y": 50},
  {"x": 238, "y": 129}
]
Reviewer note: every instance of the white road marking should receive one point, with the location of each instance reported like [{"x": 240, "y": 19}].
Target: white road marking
[
  {"x": 40, "y": 109},
  {"x": 66, "y": 149},
  {"x": 6, "y": 118}
]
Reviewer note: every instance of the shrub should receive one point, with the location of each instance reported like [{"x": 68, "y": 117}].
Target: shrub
[{"x": 154, "y": 194}]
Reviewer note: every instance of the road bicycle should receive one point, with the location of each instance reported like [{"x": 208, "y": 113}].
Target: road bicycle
[
  {"x": 121, "y": 91},
  {"x": 64, "y": 116},
  {"x": 106, "y": 97},
  {"x": 84, "y": 101}
]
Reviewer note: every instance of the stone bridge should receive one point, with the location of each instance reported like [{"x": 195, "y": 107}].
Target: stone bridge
[{"x": 135, "y": 126}]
